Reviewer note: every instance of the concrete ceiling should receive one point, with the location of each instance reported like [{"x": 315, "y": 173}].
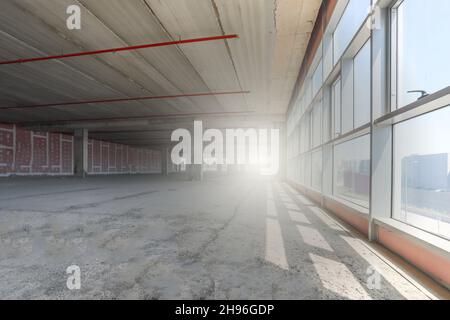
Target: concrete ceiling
[{"x": 264, "y": 60}]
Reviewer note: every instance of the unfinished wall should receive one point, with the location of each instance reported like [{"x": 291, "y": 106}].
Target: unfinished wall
[
  {"x": 112, "y": 158},
  {"x": 24, "y": 152}
]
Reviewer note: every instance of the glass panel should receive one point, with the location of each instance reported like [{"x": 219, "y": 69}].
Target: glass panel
[
  {"x": 327, "y": 55},
  {"x": 352, "y": 19},
  {"x": 326, "y": 122},
  {"x": 302, "y": 169},
  {"x": 347, "y": 102},
  {"x": 317, "y": 79},
  {"x": 362, "y": 73},
  {"x": 352, "y": 170},
  {"x": 308, "y": 169},
  {"x": 308, "y": 93},
  {"x": 423, "y": 48},
  {"x": 422, "y": 172},
  {"x": 317, "y": 124},
  {"x": 317, "y": 170}
]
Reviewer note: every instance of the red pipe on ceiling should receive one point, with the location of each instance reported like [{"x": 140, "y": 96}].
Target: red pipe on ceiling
[
  {"x": 156, "y": 116},
  {"x": 71, "y": 103},
  {"x": 129, "y": 48}
]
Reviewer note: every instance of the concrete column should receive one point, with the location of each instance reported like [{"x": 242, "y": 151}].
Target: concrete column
[{"x": 80, "y": 149}]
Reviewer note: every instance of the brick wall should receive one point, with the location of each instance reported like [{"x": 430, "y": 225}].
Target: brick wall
[{"x": 24, "y": 152}]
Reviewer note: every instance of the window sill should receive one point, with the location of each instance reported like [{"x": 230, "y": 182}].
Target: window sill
[
  {"x": 364, "y": 212},
  {"x": 430, "y": 241},
  {"x": 435, "y": 101}
]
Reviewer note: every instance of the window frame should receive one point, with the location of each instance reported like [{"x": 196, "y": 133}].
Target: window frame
[
  {"x": 393, "y": 53},
  {"x": 336, "y": 134}
]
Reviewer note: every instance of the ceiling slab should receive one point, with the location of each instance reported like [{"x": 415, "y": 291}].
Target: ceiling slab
[{"x": 265, "y": 60}]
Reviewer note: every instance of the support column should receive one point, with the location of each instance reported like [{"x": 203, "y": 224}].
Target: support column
[{"x": 80, "y": 149}]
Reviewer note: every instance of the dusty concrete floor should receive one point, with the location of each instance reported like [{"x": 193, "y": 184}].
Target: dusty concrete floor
[{"x": 150, "y": 237}]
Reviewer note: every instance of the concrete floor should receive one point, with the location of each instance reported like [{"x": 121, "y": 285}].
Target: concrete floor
[{"x": 150, "y": 237}]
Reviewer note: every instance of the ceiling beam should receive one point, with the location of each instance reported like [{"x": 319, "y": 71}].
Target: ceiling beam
[
  {"x": 101, "y": 101},
  {"x": 119, "y": 49},
  {"x": 149, "y": 117},
  {"x": 169, "y": 122}
]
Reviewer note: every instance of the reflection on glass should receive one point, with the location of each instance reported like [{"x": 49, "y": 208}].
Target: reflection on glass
[
  {"x": 354, "y": 15},
  {"x": 422, "y": 172},
  {"x": 352, "y": 171},
  {"x": 361, "y": 89},
  {"x": 423, "y": 48}
]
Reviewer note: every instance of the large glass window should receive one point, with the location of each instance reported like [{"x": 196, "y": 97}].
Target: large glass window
[
  {"x": 317, "y": 170},
  {"x": 301, "y": 169},
  {"x": 352, "y": 170},
  {"x": 361, "y": 88},
  {"x": 317, "y": 78},
  {"x": 308, "y": 169},
  {"x": 421, "y": 49},
  {"x": 326, "y": 121},
  {"x": 352, "y": 19},
  {"x": 305, "y": 133},
  {"x": 422, "y": 172},
  {"x": 347, "y": 114},
  {"x": 317, "y": 124}
]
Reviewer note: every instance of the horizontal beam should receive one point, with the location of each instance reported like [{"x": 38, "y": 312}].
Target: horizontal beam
[
  {"x": 210, "y": 120},
  {"x": 119, "y": 49},
  {"x": 128, "y": 131},
  {"x": 140, "y": 131},
  {"x": 101, "y": 101},
  {"x": 151, "y": 117}
]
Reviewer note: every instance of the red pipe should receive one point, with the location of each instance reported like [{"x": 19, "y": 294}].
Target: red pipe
[
  {"x": 156, "y": 116},
  {"x": 60, "y": 104},
  {"x": 130, "y": 48}
]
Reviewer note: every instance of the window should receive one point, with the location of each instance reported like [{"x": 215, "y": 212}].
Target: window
[
  {"x": 301, "y": 169},
  {"x": 422, "y": 172},
  {"x": 308, "y": 93},
  {"x": 361, "y": 88},
  {"x": 317, "y": 79},
  {"x": 326, "y": 135},
  {"x": 308, "y": 169},
  {"x": 305, "y": 133},
  {"x": 328, "y": 62},
  {"x": 420, "y": 51},
  {"x": 336, "y": 103},
  {"x": 317, "y": 125},
  {"x": 352, "y": 171},
  {"x": 317, "y": 170},
  {"x": 347, "y": 94},
  {"x": 352, "y": 19}
]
